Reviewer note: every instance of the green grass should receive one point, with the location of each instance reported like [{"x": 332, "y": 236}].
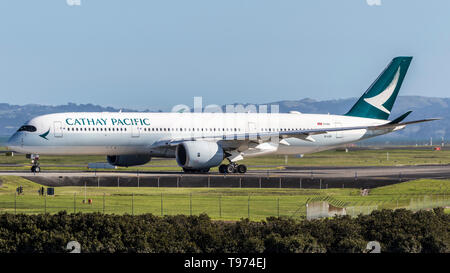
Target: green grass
[
  {"x": 359, "y": 158},
  {"x": 327, "y": 158},
  {"x": 219, "y": 203}
]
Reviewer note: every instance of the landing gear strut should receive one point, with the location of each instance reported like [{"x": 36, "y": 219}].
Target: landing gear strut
[
  {"x": 232, "y": 168},
  {"x": 35, "y": 168}
]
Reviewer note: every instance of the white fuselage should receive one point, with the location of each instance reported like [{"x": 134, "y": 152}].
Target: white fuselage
[{"x": 110, "y": 133}]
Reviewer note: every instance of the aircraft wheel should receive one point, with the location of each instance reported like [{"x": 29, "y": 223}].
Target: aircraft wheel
[
  {"x": 230, "y": 168},
  {"x": 223, "y": 168},
  {"x": 242, "y": 169}
]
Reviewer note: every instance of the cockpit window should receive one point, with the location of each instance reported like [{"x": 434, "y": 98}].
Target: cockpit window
[{"x": 28, "y": 128}]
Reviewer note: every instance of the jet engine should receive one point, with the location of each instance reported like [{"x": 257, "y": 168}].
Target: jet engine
[
  {"x": 127, "y": 160},
  {"x": 199, "y": 155}
]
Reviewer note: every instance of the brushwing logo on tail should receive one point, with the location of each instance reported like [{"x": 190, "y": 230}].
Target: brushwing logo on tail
[{"x": 380, "y": 99}]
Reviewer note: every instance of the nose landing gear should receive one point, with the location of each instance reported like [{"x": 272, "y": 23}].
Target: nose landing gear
[{"x": 35, "y": 168}]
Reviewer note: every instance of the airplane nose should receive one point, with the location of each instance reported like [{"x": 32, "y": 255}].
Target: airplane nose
[{"x": 13, "y": 142}]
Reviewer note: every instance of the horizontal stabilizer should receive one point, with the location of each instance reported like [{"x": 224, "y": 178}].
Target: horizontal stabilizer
[
  {"x": 393, "y": 125},
  {"x": 400, "y": 118}
]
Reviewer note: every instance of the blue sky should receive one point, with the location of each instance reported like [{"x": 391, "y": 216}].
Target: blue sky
[{"x": 156, "y": 54}]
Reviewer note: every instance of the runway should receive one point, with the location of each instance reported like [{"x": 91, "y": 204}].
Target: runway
[{"x": 284, "y": 177}]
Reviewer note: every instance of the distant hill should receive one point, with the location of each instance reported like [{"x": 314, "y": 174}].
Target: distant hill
[
  {"x": 12, "y": 116},
  {"x": 422, "y": 107}
]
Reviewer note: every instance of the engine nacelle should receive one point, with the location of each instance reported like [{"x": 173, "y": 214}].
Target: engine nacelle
[
  {"x": 199, "y": 154},
  {"x": 127, "y": 160}
]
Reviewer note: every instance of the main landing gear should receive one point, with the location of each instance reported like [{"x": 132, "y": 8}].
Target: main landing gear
[{"x": 232, "y": 168}]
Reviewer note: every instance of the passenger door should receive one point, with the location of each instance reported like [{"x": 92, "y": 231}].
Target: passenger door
[
  {"x": 338, "y": 133},
  {"x": 135, "y": 131},
  {"x": 251, "y": 130},
  {"x": 57, "y": 129}
]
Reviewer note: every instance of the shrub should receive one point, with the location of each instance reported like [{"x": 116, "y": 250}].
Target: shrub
[{"x": 397, "y": 231}]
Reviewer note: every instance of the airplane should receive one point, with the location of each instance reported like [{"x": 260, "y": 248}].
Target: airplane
[{"x": 200, "y": 141}]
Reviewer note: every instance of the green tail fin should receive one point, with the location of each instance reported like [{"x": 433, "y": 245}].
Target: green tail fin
[{"x": 378, "y": 100}]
